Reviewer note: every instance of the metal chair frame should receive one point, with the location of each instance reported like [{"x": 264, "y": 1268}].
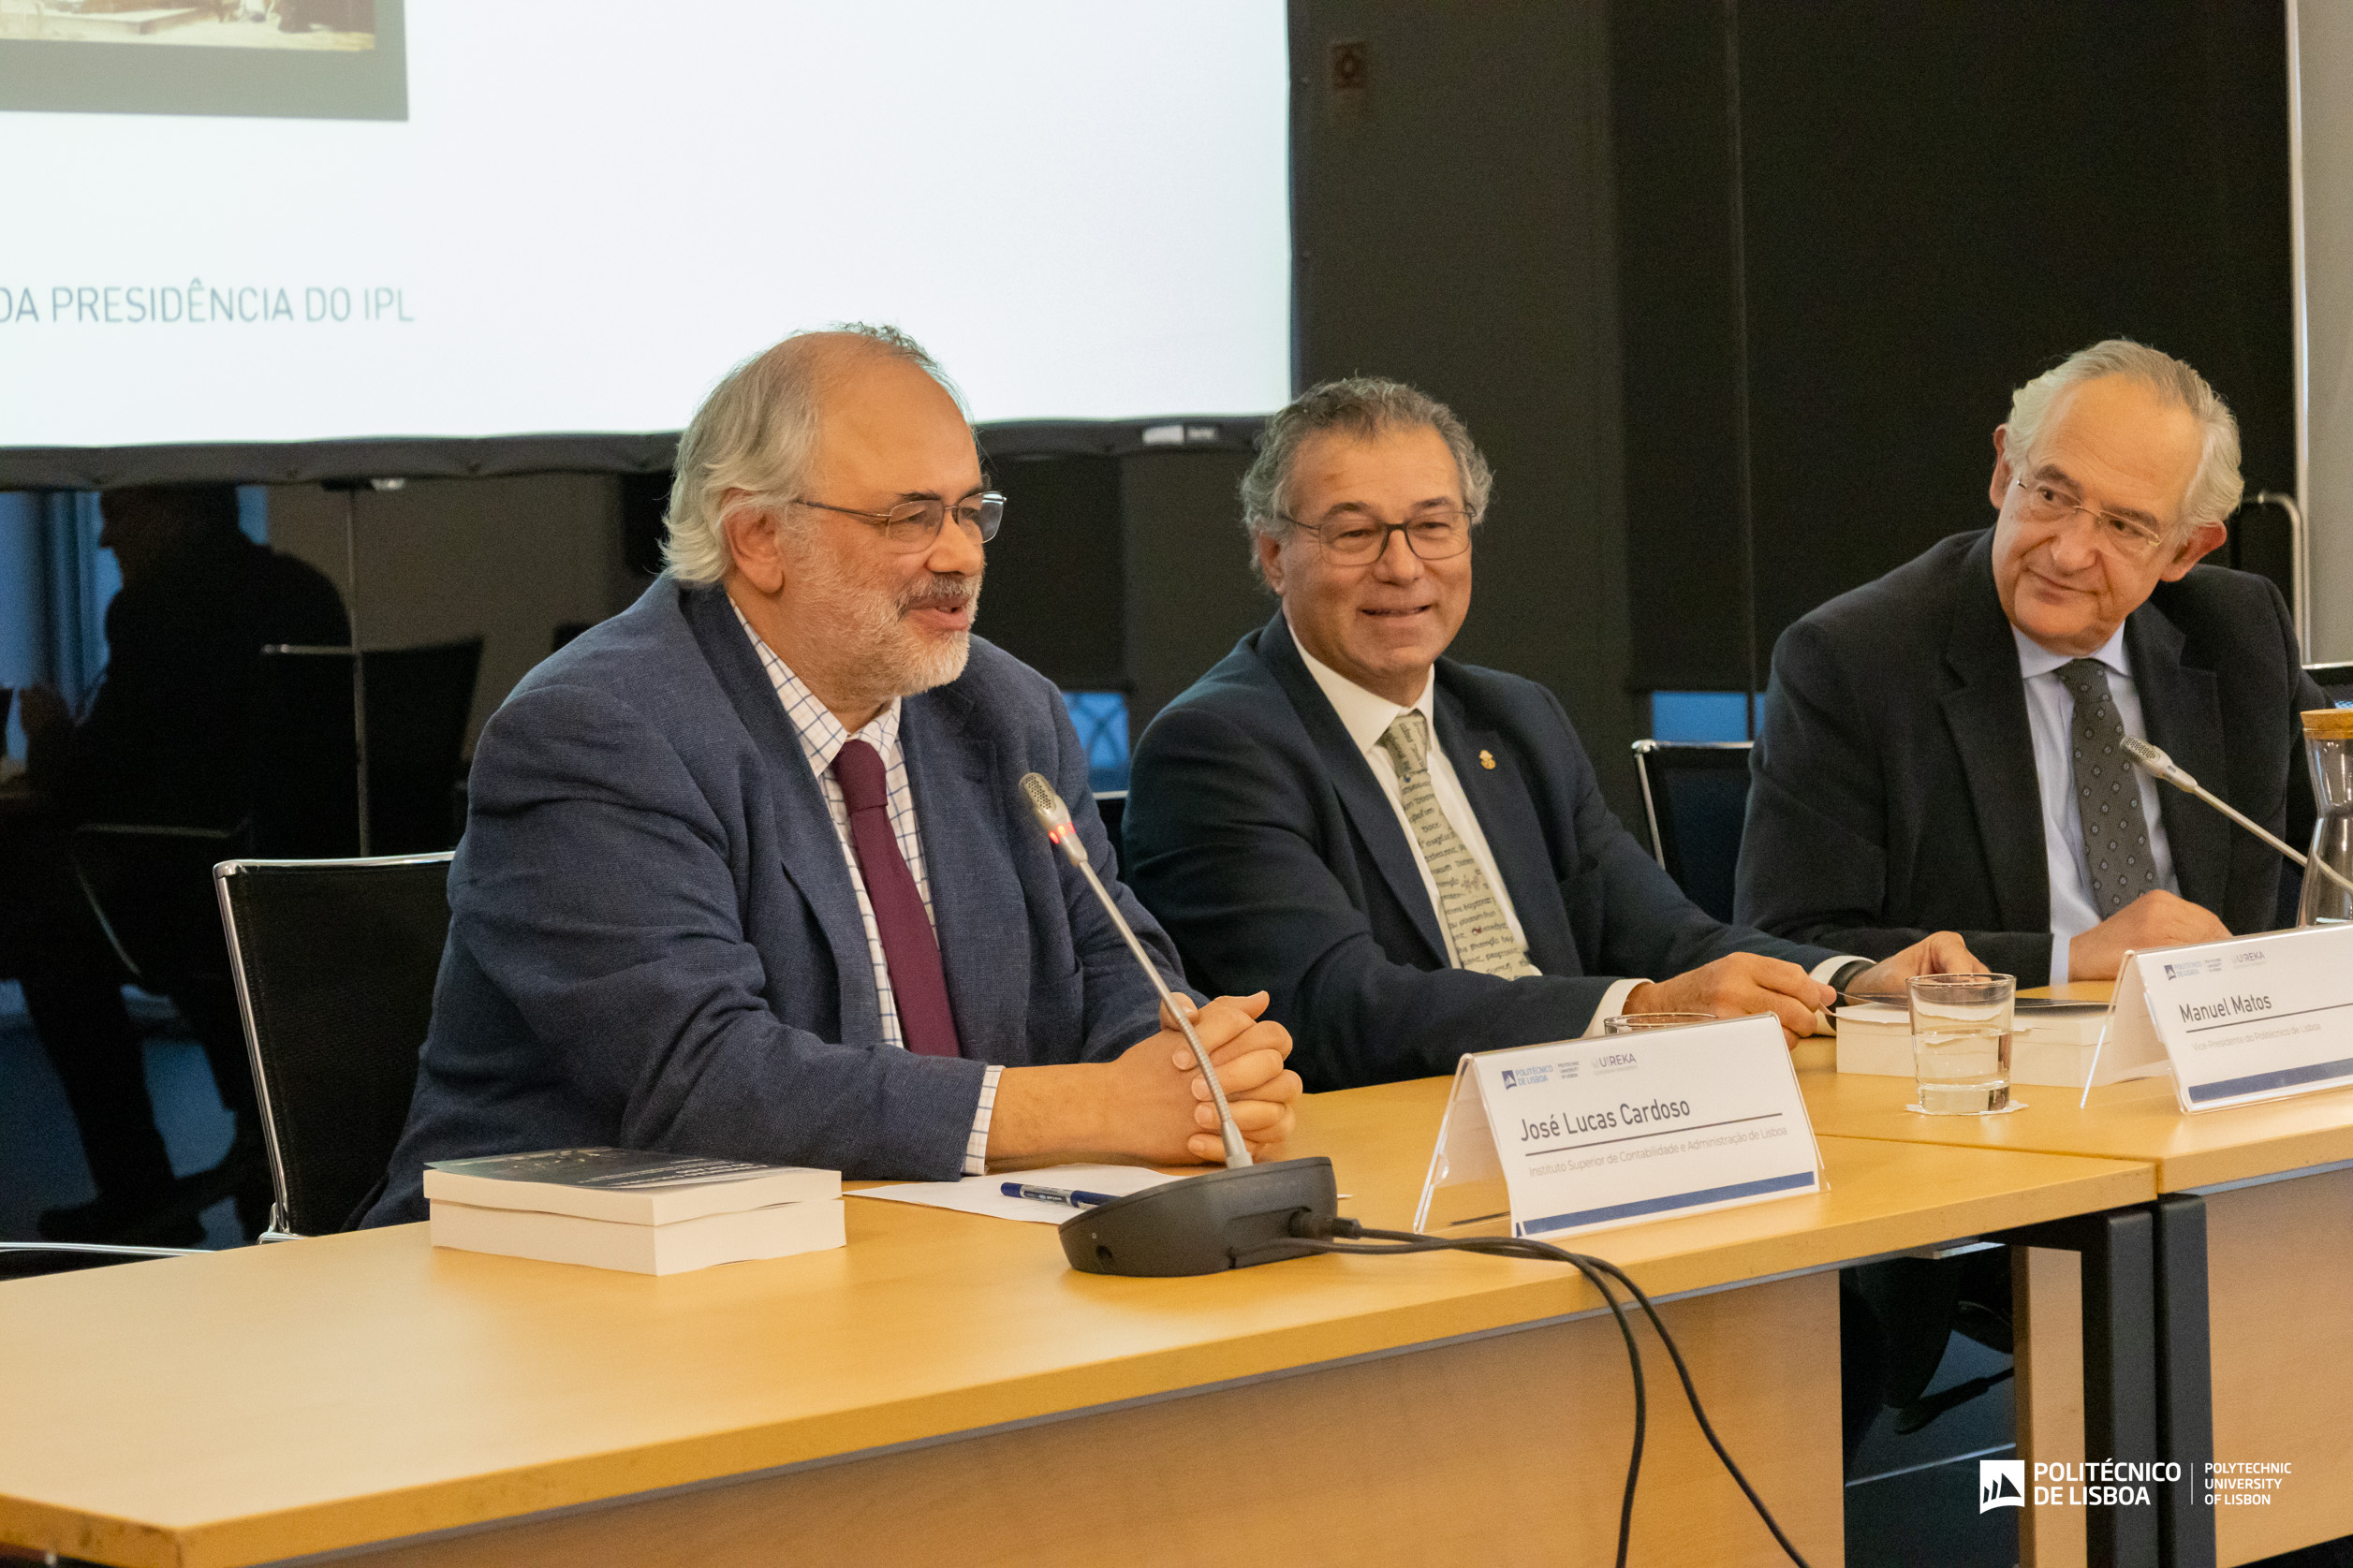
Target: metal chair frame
[{"x": 1643, "y": 751}]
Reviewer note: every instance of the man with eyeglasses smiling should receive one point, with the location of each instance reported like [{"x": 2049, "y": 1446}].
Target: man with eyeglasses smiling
[
  {"x": 1943, "y": 747},
  {"x": 1411, "y": 854},
  {"x": 747, "y": 869}
]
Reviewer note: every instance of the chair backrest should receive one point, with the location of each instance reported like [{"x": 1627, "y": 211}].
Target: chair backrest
[
  {"x": 2335, "y": 683},
  {"x": 151, "y": 888},
  {"x": 1111, "y": 806},
  {"x": 305, "y": 793},
  {"x": 336, "y": 963},
  {"x": 1696, "y": 797}
]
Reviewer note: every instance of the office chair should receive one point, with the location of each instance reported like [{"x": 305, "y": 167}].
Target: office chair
[
  {"x": 306, "y": 781},
  {"x": 150, "y": 886},
  {"x": 335, "y": 963},
  {"x": 1694, "y": 796},
  {"x": 2335, "y": 683}
]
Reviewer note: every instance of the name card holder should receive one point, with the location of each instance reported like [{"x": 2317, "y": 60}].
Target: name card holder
[
  {"x": 1548, "y": 1140},
  {"x": 2256, "y": 1018}
]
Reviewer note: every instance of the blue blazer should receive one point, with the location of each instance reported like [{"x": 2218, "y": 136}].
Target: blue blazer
[
  {"x": 655, "y": 942},
  {"x": 1893, "y": 788},
  {"x": 1256, "y": 831}
]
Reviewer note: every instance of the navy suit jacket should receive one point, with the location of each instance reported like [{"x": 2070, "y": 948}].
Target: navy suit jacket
[
  {"x": 655, "y": 942},
  {"x": 1893, "y": 788},
  {"x": 1259, "y": 834}
]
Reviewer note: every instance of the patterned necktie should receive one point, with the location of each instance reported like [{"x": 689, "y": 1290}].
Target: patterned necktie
[
  {"x": 2116, "y": 858},
  {"x": 918, "y": 986},
  {"x": 1474, "y": 920}
]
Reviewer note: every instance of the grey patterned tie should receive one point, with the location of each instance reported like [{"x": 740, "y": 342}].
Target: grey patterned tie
[
  {"x": 1474, "y": 920},
  {"x": 2116, "y": 858}
]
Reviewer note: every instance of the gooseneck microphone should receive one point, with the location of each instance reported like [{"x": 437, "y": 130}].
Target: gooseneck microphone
[
  {"x": 1233, "y": 1218},
  {"x": 2155, "y": 761},
  {"x": 1054, "y": 817}
]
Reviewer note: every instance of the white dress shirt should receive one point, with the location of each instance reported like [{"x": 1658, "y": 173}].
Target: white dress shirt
[
  {"x": 822, "y": 737},
  {"x": 2050, "y": 717},
  {"x": 1366, "y": 716}
]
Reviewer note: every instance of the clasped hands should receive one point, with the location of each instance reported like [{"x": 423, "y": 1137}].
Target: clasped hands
[
  {"x": 1151, "y": 1102},
  {"x": 1169, "y": 1100},
  {"x": 1739, "y": 984}
]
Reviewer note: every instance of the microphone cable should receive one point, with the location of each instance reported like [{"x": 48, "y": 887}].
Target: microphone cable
[{"x": 1599, "y": 1273}]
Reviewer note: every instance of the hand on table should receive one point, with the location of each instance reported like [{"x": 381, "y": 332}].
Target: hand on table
[
  {"x": 2154, "y": 919},
  {"x": 1249, "y": 1053},
  {"x": 1737, "y": 985},
  {"x": 1943, "y": 953}
]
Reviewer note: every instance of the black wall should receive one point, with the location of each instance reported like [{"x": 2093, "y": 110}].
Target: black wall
[
  {"x": 1938, "y": 202},
  {"x": 1452, "y": 227}
]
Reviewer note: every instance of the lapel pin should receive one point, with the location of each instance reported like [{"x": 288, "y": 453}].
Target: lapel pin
[{"x": 1487, "y": 759}]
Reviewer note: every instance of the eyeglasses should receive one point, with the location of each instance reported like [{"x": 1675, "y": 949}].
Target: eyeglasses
[
  {"x": 2047, "y": 504},
  {"x": 1353, "y": 541},
  {"x": 912, "y": 525}
]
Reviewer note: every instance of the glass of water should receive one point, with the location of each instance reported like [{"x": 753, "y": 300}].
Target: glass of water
[
  {"x": 1961, "y": 1041},
  {"x": 1635, "y": 1023}
]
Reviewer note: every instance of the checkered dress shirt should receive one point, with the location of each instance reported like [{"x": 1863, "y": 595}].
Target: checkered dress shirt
[{"x": 822, "y": 738}]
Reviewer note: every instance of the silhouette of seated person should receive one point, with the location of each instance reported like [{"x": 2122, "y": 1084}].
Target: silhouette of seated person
[{"x": 169, "y": 739}]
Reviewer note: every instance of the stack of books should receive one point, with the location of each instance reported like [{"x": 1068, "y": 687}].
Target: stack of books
[
  {"x": 632, "y": 1210},
  {"x": 2046, "y": 1047}
]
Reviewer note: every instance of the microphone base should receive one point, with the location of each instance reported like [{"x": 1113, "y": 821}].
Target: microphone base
[{"x": 1197, "y": 1224}]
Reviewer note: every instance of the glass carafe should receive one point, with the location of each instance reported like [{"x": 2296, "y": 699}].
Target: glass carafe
[{"x": 2328, "y": 753}]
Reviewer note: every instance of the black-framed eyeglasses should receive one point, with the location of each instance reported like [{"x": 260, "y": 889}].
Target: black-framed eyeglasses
[
  {"x": 2048, "y": 505},
  {"x": 1353, "y": 541},
  {"x": 912, "y": 525}
]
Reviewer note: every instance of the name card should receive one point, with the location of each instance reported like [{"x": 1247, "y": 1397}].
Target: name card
[
  {"x": 1579, "y": 1134},
  {"x": 2255, "y": 1018}
]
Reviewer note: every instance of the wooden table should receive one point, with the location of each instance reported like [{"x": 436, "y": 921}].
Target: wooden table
[
  {"x": 944, "y": 1389},
  {"x": 2257, "y": 1226}
]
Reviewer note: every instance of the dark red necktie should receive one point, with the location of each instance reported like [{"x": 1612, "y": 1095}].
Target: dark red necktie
[{"x": 909, "y": 949}]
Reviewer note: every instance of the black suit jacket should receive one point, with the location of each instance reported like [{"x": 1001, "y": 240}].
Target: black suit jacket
[
  {"x": 1257, "y": 832},
  {"x": 1893, "y": 787}
]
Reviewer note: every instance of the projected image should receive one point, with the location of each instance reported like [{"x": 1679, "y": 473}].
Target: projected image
[
  {"x": 334, "y": 24},
  {"x": 244, "y": 59}
]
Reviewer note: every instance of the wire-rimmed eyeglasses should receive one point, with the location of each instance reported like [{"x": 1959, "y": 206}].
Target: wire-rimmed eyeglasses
[
  {"x": 912, "y": 525},
  {"x": 1352, "y": 541},
  {"x": 2047, "y": 504}
]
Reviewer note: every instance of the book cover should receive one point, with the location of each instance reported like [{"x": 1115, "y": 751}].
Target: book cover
[
  {"x": 631, "y": 1186},
  {"x": 778, "y": 1231}
]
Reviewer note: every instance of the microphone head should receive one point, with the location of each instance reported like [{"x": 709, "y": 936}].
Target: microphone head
[
  {"x": 1051, "y": 813},
  {"x": 2149, "y": 757}
]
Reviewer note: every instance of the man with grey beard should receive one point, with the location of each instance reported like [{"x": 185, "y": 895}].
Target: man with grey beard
[{"x": 748, "y": 871}]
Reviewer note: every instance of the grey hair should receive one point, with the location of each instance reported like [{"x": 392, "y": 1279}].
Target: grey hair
[
  {"x": 756, "y": 432},
  {"x": 2214, "y": 488},
  {"x": 1359, "y": 407}
]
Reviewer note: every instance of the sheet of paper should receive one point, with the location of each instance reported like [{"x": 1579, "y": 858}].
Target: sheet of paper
[{"x": 985, "y": 1194}]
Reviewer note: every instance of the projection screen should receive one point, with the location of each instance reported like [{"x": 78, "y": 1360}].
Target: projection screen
[{"x": 477, "y": 229}]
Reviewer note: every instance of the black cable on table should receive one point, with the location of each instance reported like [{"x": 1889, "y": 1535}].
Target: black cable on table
[{"x": 1599, "y": 1273}]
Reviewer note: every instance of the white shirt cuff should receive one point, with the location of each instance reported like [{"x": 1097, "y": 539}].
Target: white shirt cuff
[
  {"x": 1828, "y": 967},
  {"x": 2059, "y": 959},
  {"x": 977, "y": 1146},
  {"x": 1612, "y": 1005}
]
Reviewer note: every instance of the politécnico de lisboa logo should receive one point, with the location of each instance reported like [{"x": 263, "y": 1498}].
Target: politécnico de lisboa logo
[{"x": 2001, "y": 1483}]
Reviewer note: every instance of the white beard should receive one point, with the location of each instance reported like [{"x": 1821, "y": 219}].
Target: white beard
[{"x": 881, "y": 655}]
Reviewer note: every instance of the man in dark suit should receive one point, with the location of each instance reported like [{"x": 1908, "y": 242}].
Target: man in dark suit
[
  {"x": 168, "y": 739},
  {"x": 1410, "y": 853},
  {"x": 1942, "y": 747},
  {"x": 749, "y": 871}
]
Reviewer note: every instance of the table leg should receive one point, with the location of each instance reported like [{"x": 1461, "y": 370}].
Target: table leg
[
  {"x": 2185, "y": 1390},
  {"x": 2120, "y": 1362}
]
